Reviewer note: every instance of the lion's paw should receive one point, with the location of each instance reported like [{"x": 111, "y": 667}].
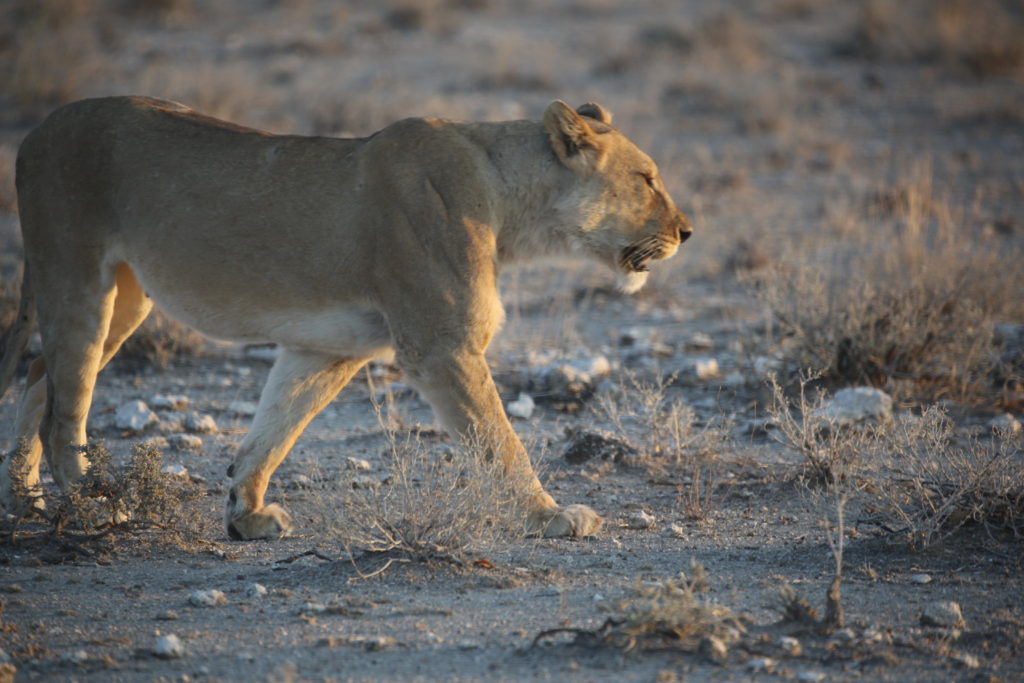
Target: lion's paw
[
  {"x": 269, "y": 522},
  {"x": 574, "y": 520}
]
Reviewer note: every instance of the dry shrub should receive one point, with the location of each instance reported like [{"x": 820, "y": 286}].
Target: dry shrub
[
  {"x": 667, "y": 613},
  {"x": 431, "y": 504},
  {"x": 923, "y": 479},
  {"x": 983, "y": 37},
  {"x": 904, "y": 297},
  {"x": 138, "y": 495},
  {"x": 935, "y": 482}
]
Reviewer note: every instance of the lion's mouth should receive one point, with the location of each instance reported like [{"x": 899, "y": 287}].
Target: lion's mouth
[{"x": 636, "y": 258}]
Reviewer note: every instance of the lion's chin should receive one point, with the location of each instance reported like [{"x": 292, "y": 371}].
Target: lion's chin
[{"x": 631, "y": 282}]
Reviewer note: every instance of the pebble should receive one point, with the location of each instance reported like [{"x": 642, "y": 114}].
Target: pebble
[
  {"x": 76, "y": 657},
  {"x": 641, "y": 520},
  {"x": 169, "y": 402},
  {"x": 856, "y": 404},
  {"x": 675, "y": 530},
  {"x": 944, "y": 614},
  {"x": 134, "y": 416},
  {"x": 302, "y": 481},
  {"x": 358, "y": 464},
  {"x": 207, "y": 598},
  {"x": 242, "y": 408},
  {"x": 966, "y": 660},
  {"x": 185, "y": 442},
  {"x": 157, "y": 442},
  {"x": 169, "y": 615},
  {"x": 921, "y": 578},
  {"x": 176, "y": 471},
  {"x": 705, "y": 368},
  {"x": 700, "y": 340},
  {"x": 791, "y": 646},
  {"x": 522, "y": 407},
  {"x": 761, "y": 664},
  {"x": 169, "y": 647},
  {"x": 1005, "y": 423},
  {"x": 810, "y": 676},
  {"x": 200, "y": 424},
  {"x": 254, "y": 591},
  {"x": 714, "y": 649}
]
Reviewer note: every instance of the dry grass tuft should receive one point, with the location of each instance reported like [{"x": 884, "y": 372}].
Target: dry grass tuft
[
  {"x": 431, "y": 505},
  {"x": 158, "y": 341},
  {"x": 667, "y": 613},
  {"x": 982, "y": 37},
  {"x": 905, "y": 297}
]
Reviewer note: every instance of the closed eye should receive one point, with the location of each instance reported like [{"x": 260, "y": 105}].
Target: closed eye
[{"x": 649, "y": 179}]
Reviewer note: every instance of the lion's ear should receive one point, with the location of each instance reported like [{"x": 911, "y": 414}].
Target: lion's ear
[
  {"x": 595, "y": 111},
  {"x": 575, "y": 144}
]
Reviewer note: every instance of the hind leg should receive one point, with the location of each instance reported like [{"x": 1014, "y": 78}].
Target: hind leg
[{"x": 78, "y": 339}]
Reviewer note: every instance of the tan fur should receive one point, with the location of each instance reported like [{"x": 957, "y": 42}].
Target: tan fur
[{"x": 337, "y": 250}]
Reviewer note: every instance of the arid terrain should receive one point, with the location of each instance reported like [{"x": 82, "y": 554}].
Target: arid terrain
[{"x": 854, "y": 174}]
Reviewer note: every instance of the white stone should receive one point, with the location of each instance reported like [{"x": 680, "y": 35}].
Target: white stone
[
  {"x": 358, "y": 464},
  {"x": 705, "y": 368},
  {"x": 207, "y": 598},
  {"x": 169, "y": 402},
  {"x": 921, "y": 578},
  {"x": 675, "y": 530},
  {"x": 175, "y": 470},
  {"x": 169, "y": 647},
  {"x": 641, "y": 520},
  {"x": 1006, "y": 423},
  {"x": 242, "y": 408},
  {"x": 761, "y": 664},
  {"x": 966, "y": 660},
  {"x": 944, "y": 614},
  {"x": 522, "y": 407},
  {"x": 810, "y": 676},
  {"x": 134, "y": 416},
  {"x": 791, "y": 646},
  {"x": 856, "y": 404},
  {"x": 700, "y": 340},
  {"x": 76, "y": 657},
  {"x": 254, "y": 591},
  {"x": 185, "y": 442},
  {"x": 201, "y": 424}
]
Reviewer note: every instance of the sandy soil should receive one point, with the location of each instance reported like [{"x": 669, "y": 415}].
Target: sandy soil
[{"x": 766, "y": 119}]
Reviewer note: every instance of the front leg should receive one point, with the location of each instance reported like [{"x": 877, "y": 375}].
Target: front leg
[
  {"x": 460, "y": 389},
  {"x": 299, "y": 386}
]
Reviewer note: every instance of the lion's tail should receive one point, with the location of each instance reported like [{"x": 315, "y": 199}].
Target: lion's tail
[{"x": 16, "y": 339}]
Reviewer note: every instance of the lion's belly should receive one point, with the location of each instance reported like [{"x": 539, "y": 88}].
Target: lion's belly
[{"x": 342, "y": 329}]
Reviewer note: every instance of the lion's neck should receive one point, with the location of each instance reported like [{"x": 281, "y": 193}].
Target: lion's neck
[{"x": 534, "y": 185}]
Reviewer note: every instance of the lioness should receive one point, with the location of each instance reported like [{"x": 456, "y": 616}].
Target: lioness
[{"x": 337, "y": 250}]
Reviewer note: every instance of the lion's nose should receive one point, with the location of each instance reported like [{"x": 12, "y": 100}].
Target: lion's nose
[{"x": 685, "y": 229}]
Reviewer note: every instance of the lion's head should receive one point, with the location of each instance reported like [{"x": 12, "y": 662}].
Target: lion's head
[{"x": 622, "y": 214}]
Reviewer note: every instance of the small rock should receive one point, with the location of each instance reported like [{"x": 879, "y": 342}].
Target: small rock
[
  {"x": 843, "y": 635},
  {"x": 185, "y": 442},
  {"x": 714, "y": 649},
  {"x": 675, "y": 530},
  {"x": 587, "y": 445},
  {"x": 522, "y": 407},
  {"x": 169, "y": 402},
  {"x": 761, "y": 664},
  {"x": 641, "y": 520},
  {"x": 207, "y": 598},
  {"x": 921, "y": 578},
  {"x": 175, "y": 471},
  {"x": 134, "y": 416},
  {"x": 856, "y": 404},
  {"x": 254, "y": 591},
  {"x": 468, "y": 645},
  {"x": 242, "y": 408},
  {"x": 944, "y": 614},
  {"x": 311, "y": 609},
  {"x": 358, "y": 464},
  {"x": 810, "y": 676},
  {"x": 157, "y": 442},
  {"x": 374, "y": 643},
  {"x": 200, "y": 424},
  {"x": 705, "y": 368},
  {"x": 1005, "y": 423},
  {"x": 966, "y": 660},
  {"x": 365, "y": 481},
  {"x": 76, "y": 657},
  {"x": 169, "y": 647},
  {"x": 168, "y": 615},
  {"x": 791, "y": 646},
  {"x": 700, "y": 340},
  {"x": 302, "y": 481}
]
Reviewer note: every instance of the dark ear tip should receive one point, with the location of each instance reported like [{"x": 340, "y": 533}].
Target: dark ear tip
[{"x": 595, "y": 111}]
